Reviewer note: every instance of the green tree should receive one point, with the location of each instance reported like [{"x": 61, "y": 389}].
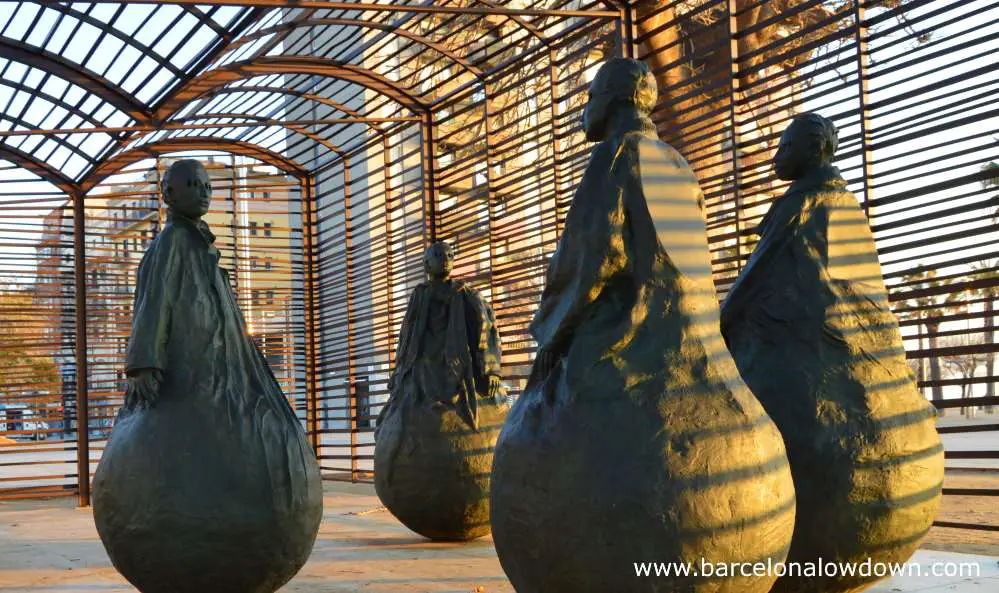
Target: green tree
[
  {"x": 965, "y": 365},
  {"x": 930, "y": 305},
  {"x": 988, "y": 271},
  {"x": 25, "y": 363}
]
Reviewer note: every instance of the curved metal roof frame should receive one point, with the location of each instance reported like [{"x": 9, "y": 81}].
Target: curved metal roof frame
[
  {"x": 139, "y": 29},
  {"x": 394, "y": 29},
  {"x": 219, "y": 77},
  {"x": 154, "y": 149},
  {"x": 40, "y": 168}
]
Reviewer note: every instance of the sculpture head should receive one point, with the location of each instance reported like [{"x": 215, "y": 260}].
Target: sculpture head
[
  {"x": 622, "y": 86},
  {"x": 187, "y": 189},
  {"x": 438, "y": 260},
  {"x": 808, "y": 143}
]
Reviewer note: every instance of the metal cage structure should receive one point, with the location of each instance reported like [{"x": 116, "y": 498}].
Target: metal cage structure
[{"x": 343, "y": 137}]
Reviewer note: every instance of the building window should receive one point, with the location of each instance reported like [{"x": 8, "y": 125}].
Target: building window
[
  {"x": 267, "y": 264},
  {"x": 270, "y": 297},
  {"x": 267, "y": 195},
  {"x": 267, "y": 229},
  {"x": 253, "y": 228}
]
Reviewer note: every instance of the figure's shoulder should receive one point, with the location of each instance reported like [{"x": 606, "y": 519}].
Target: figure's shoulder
[
  {"x": 467, "y": 290},
  {"x": 832, "y": 198},
  {"x": 648, "y": 146},
  {"x": 172, "y": 236}
]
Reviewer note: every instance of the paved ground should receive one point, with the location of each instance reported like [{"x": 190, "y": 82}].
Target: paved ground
[{"x": 49, "y": 546}]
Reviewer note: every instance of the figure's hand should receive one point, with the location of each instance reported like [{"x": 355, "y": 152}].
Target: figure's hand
[
  {"x": 495, "y": 386},
  {"x": 143, "y": 389},
  {"x": 545, "y": 361}
]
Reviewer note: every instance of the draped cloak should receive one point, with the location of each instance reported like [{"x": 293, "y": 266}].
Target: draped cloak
[
  {"x": 809, "y": 326},
  {"x": 447, "y": 362},
  {"x": 217, "y": 388},
  {"x": 642, "y": 427}
]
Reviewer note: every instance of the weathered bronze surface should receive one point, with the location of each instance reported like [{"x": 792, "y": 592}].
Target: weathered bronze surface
[
  {"x": 635, "y": 439},
  {"x": 208, "y": 482},
  {"x": 435, "y": 437},
  {"x": 808, "y": 324}
]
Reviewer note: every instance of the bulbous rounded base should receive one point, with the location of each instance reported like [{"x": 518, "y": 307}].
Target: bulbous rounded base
[
  {"x": 432, "y": 469},
  {"x": 583, "y": 492},
  {"x": 184, "y": 505}
]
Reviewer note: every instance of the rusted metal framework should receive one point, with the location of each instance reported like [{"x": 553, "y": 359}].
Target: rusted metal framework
[{"x": 344, "y": 136}]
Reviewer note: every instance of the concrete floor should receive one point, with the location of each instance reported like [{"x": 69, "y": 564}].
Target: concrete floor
[{"x": 49, "y": 546}]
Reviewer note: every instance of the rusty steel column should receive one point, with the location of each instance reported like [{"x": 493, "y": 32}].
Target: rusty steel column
[
  {"x": 556, "y": 183},
  {"x": 429, "y": 190},
  {"x": 626, "y": 31},
  {"x": 860, "y": 38},
  {"x": 489, "y": 186},
  {"x": 733, "y": 30},
  {"x": 82, "y": 394},
  {"x": 349, "y": 288},
  {"x": 387, "y": 179},
  {"x": 309, "y": 305}
]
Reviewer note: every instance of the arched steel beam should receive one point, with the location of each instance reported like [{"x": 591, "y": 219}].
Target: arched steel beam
[
  {"x": 147, "y": 151},
  {"x": 40, "y": 168},
  {"x": 293, "y": 127},
  {"x": 63, "y": 68},
  {"x": 219, "y": 77},
  {"x": 286, "y": 91},
  {"x": 219, "y": 48},
  {"x": 53, "y": 137},
  {"x": 387, "y": 27},
  {"x": 54, "y": 100},
  {"x": 100, "y": 25}
]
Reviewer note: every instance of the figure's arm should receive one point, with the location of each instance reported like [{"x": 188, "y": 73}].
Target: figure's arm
[
  {"x": 590, "y": 251},
  {"x": 839, "y": 232},
  {"x": 485, "y": 334},
  {"x": 404, "y": 335},
  {"x": 157, "y": 283}
]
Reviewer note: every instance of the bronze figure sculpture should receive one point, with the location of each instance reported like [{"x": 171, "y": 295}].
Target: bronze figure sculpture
[
  {"x": 809, "y": 326},
  {"x": 635, "y": 438},
  {"x": 208, "y": 482},
  {"x": 435, "y": 436}
]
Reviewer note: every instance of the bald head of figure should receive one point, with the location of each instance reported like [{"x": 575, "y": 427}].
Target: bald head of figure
[
  {"x": 187, "y": 188},
  {"x": 809, "y": 142},
  {"x": 622, "y": 88},
  {"x": 438, "y": 260}
]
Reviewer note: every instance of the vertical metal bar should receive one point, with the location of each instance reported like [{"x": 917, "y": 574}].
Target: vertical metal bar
[
  {"x": 626, "y": 31},
  {"x": 387, "y": 176},
  {"x": 309, "y": 304},
  {"x": 82, "y": 388},
  {"x": 733, "y": 29},
  {"x": 234, "y": 223},
  {"x": 348, "y": 265},
  {"x": 863, "y": 56},
  {"x": 429, "y": 180},
  {"x": 552, "y": 88},
  {"x": 158, "y": 180},
  {"x": 489, "y": 183}
]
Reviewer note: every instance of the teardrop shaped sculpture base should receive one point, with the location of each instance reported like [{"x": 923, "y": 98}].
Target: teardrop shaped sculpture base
[
  {"x": 432, "y": 469},
  {"x": 186, "y": 505},
  {"x": 583, "y": 491}
]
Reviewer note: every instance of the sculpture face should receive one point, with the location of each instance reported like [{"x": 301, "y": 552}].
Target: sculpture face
[
  {"x": 187, "y": 189},
  {"x": 439, "y": 259},
  {"x": 803, "y": 147},
  {"x": 595, "y": 114},
  {"x": 621, "y": 85}
]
